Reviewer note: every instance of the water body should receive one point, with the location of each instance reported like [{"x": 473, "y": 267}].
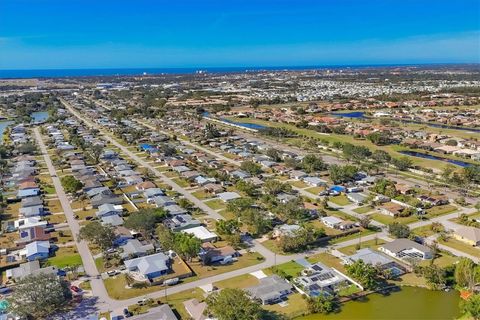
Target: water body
[
  {"x": 245, "y": 124},
  {"x": 3, "y": 126},
  {"x": 39, "y": 116},
  {"x": 355, "y": 114},
  {"x": 408, "y": 304},
  {"x": 432, "y": 157},
  {"x": 56, "y": 73}
]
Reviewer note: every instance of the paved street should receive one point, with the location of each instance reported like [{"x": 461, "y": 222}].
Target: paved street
[{"x": 88, "y": 263}]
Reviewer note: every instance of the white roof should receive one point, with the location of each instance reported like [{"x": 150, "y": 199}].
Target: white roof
[
  {"x": 201, "y": 233},
  {"x": 227, "y": 196},
  {"x": 331, "y": 220}
]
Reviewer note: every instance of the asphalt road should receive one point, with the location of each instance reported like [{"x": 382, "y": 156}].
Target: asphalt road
[{"x": 88, "y": 263}]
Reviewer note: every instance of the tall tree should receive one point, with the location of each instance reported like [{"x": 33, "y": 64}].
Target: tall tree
[
  {"x": 100, "y": 235},
  {"x": 233, "y": 304},
  {"x": 39, "y": 296}
]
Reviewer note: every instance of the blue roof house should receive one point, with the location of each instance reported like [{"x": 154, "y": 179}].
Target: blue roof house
[{"x": 37, "y": 250}]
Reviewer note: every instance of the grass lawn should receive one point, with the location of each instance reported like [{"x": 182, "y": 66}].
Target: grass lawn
[
  {"x": 243, "y": 281},
  {"x": 170, "y": 174},
  {"x": 54, "y": 206},
  {"x": 424, "y": 232},
  {"x": 181, "y": 182},
  {"x": 349, "y": 290},
  {"x": 247, "y": 260},
  {"x": 362, "y": 233},
  {"x": 340, "y": 200},
  {"x": 82, "y": 214},
  {"x": 63, "y": 236},
  {"x": 365, "y": 244},
  {"x": 79, "y": 204},
  {"x": 227, "y": 214},
  {"x": 317, "y": 224},
  {"x": 272, "y": 245},
  {"x": 363, "y": 210},
  {"x": 298, "y": 184},
  {"x": 383, "y": 218},
  {"x": 201, "y": 194},
  {"x": 410, "y": 279},
  {"x": 456, "y": 244},
  {"x": 65, "y": 256},
  {"x": 48, "y": 189},
  {"x": 216, "y": 204},
  {"x": 442, "y": 260},
  {"x": 290, "y": 268},
  {"x": 315, "y": 190},
  {"x": 440, "y": 210},
  {"x": 56, "y": 218},
  {"x": 296, "y": 306}
]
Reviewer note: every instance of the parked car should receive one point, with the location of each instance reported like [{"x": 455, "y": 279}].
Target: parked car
[
  {"x": 127, "y": 313},
  {"x": 75, "y": 289}
]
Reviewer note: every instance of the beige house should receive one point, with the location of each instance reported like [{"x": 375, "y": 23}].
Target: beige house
[{"x": 469, "y": 235}]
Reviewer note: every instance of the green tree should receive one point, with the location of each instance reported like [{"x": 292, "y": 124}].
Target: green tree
[
  {"x": 39, "y": 296},
  {"x": 274, "y": 187},
  {"x": 435, "y": 276},
  {"x": 251, "y": 167},
  {"x": 100, "y": 235},
  {"x": 145, "y": 220},
  {"x": 70, "y": 184},
  {"x": 227, "y": 227},
  {"x": 471, "y": 306},
  {"x": 467, "y": 273},
  {"x": 233, "y": 304},
  {"x": 365, "y": 273},
  {"x": 237, "y": 206},
  {"x": 399, "y": 230},
  {"x": 311, "y": 163},
  {"x": 341, "y": 174},
  {"x": 322, "y": 304},
  {"x": 402, "y": 163}
]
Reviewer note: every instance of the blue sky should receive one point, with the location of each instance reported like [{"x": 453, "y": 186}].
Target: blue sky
[{"x": 48, "y": 34}]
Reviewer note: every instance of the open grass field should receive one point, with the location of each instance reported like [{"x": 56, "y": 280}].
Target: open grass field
[
  {"x": 243, "y": 281},
  {"x": 363, "y": 210},
  {"x": 247, "y": 260},
  {"x": 456, "y": 244},
  {"x": 65, "y": 256},
  {"x": 216, "y": 204},
  {"x": 340, "y": 200},
  {"x": 374, "y": 244}
]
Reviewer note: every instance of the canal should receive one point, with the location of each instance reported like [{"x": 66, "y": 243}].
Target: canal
[
  {"x": 408, "y": 304},
  {"x": 432, "y": 157}
]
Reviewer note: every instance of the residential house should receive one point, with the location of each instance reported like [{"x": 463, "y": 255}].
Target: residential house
[
  {"x": 36, "y": 250},
  {"x": 27, "y": 269},
  {"x": 151, "y": 266},
  {"x": 30, "y": 234},
  {"x": 468, "y": 235},
  {"x": 108, "y": 209},
  {"x": 202, "y": 233},
  {"x": 211, "y": 254},
  {"x": 406, "y": 249},
  {"x": 181, "y": 222},
  {"x": 376, "y": 259},
  {"x": 134, "y": 248},
  {"x": 318, "y": 279},
  {"x": 356, "y": 198},
  {"x": 228, "y": 196},
  {"x": 113, "y": 220},
  {"x": 270, "y": 290},
  {"x": 288, "y": 230}
]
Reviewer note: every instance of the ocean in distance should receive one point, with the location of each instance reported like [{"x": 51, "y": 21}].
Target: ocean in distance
[{"x": 60, "y": 73}]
